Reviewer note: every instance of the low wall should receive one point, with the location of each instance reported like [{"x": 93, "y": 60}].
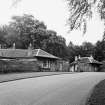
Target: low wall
[{"x": 18, "y": 66}]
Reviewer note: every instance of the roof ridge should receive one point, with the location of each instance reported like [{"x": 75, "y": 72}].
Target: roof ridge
[
  {"x": 90, "y": 59},
  {"x": 46, "y": 53},
  {"x": 49, "y": 53},
  {"x": 37, "y": 52},
  {"x": 19, "y": 49},
  {"x": 23, "y": 53},
  {"x": 84, "y": 57}
]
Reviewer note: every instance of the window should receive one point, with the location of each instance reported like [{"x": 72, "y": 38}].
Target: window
[{"x": 45, "y": 64}]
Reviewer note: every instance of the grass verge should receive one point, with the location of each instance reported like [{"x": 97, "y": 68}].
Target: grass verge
[{"x": 97, "y": 96}]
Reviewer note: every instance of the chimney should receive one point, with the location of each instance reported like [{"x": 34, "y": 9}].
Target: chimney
[
  {"x": 0, "y": 46},
  {"x": 91, "y": 57},
  {"x": 30, "y": 50},
  {"x": 30, "y": 46},
  {"x": 14, "y": 46},
  {"x": 76, "y": 58},
  {"x": 79, "y": 57}
]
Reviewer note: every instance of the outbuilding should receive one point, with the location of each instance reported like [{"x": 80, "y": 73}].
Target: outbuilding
[{"x": 85, "y": 64}]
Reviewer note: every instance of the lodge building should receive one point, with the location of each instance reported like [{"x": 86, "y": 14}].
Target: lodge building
[
  {"x": 29, "y": 58},
  {"x": 85, "y": 64}
]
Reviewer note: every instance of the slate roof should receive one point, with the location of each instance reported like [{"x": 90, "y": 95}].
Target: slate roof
[
  {"x": 86, "y": 60},
  {"x": 15, "y": 53},
  {"x": 42, "y": 53}
]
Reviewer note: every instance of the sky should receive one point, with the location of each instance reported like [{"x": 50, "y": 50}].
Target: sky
[{"x": 54, "y": 13}]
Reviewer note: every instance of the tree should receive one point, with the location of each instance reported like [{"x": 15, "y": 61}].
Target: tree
[
  {"x": 55, "y": 44},
  {"x": 87, "y": 49},
  {"x": 80, "y": 10},
  {"x": 71, "y": 52},
  {"x": 100, "y": 50},
  {"x": 27, "y": 29},
  {"x": 3, "y": 32},
  {"x": 39, "y": 38}
]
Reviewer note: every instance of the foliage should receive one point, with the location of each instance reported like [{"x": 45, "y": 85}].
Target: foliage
[
  {"x": 84, "y": 50},
  {"x": 25, "y": 29},
  {"x": 97, "y": 96},
  {"x": 56, "y": 45},
  {"x": 100, "y": 50},
  {"x": 81, "y": 10}
]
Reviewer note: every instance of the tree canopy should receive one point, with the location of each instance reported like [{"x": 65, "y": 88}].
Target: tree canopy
[{"x": 81, "y": 10}]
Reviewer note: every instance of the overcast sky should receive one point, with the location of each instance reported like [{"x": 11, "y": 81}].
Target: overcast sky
[{"x": 54, "y": 13}]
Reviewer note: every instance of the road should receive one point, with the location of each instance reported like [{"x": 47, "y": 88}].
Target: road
[{"x": 65, "y": 89}]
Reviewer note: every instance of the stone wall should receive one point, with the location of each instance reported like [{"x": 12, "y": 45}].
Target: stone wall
[{"x": 18, "y": 66}]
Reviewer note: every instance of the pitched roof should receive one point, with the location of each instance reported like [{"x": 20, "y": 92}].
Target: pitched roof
[
  {"x": 86, "y": 60},
  {"x": 42, "y": 53},
  {"x": 12, "y": 53}
]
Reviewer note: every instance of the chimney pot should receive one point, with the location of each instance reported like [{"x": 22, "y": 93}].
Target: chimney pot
[
  {"x": 76, "y": 58},
  {"x": 14, "y": 46}
]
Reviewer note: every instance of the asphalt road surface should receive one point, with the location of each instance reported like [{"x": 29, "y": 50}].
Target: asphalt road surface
[{"x": 65, "y": 89}]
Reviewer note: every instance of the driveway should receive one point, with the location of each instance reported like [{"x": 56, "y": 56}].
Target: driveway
[{"x": 65, "y": 89}]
